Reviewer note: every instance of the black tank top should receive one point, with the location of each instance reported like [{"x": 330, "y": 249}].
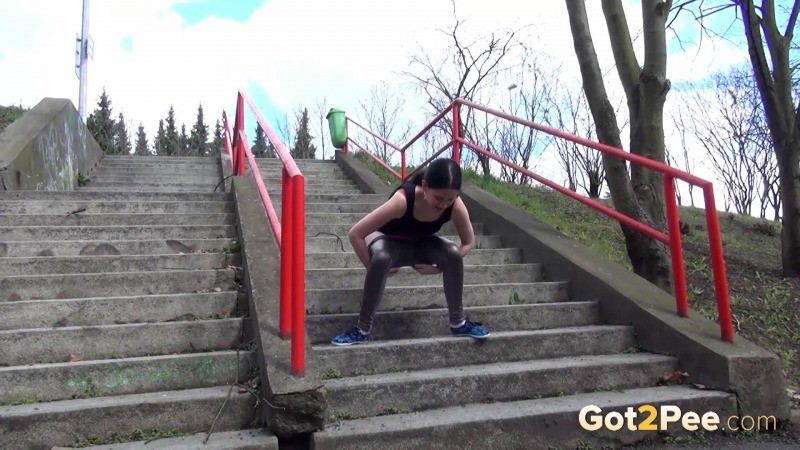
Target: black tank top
[{"x": 409, "y": 227}]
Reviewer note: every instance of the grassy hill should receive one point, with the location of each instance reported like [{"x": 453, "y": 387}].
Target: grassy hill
[
  {"x": 9, "y": 114},
  {"x": 766, "y": 308}
]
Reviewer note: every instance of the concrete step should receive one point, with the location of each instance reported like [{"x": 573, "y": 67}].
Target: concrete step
[
  {"x": 117, "y": 232},
  {"x": 147, "y": 185},
  {"x": 59, "y": 207},
  {"x": 164, "y": 177},
  {"x": 362, "y": 208},
  {"x": 335, "y": 301},
  {"x": 433, "y": 323},
  {"x": 92, "y": 219},
  {"x": 177, "y": 189},
  {"x": 134, "y": 170},
  {"x": 342, "y": 229},
  {"x": 473, "y": 274},
  {"x": 537, "y": 423},
  {"x": 52, "y": 345},
  {"x": 89, "y": 285},
  {"x": 349, "y": 260},
  {"x": 325, "y": 243},
  {"x": 486, "y": 383},
  {"x": 448, "y": 351},
  {"x": 313, "y": 181},
  {"x": 339, "y": 198},
  {"x": 43, "y": 265},
  {"x": 127, "y": 196},
  {"x": 111, "y": 247},
  {"x": 119, "y": 310},
  {"x": 252, "y": 439},
  {"x": 81, "y": 379},
  {"x": 161, "y": 159},
  {"x": 106, "y": 419}
]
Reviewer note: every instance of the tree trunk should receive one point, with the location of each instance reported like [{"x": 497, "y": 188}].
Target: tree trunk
[
  {"x": 648, "y": 257},
  {"x": 781, "y": 115}
]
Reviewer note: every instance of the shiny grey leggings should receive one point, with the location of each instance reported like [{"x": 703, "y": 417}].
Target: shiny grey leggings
[{"x": 386, "y": 253}]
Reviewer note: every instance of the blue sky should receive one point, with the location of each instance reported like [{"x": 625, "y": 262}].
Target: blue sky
[{"x": 237, "y": 10}]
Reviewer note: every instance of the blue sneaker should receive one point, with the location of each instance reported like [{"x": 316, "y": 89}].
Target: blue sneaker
[
  {"x": 471, "y": 329},
  {"x": 350, "y": 337}
]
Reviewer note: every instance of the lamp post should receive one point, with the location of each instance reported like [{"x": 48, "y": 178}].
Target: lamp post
[{"x": 84, "y": 51}]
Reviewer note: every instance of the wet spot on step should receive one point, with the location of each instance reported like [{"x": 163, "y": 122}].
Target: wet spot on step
[
  {"x": 69, "y": 293},
  {"x": 46, "y": 252},
  {"x": 15, "y": 297},
  {"x": 102, "y": 249},
  {"x": 3, "y": 249},
  {"x": 179, "y": 246}
]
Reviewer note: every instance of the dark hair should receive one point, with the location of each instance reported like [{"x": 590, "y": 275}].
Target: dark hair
[{"x": 442, "y": 173}]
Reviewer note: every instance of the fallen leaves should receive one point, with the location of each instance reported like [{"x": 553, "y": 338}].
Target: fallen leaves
[
  {"x": 74, "y": 358},
  {"x": 676, "y": 377}
]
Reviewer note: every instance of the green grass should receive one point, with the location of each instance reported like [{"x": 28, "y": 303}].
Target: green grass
[
  {"x": 9, "y": 114},
  {"x": 766, "y": 307}
]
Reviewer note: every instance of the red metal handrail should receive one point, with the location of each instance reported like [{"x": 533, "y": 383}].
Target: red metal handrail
[
  {"x": 673, "y": 238},
  {"x": 289, "y": 232}
]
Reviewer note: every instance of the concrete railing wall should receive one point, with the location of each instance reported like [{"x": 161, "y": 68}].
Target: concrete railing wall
[{"x": 49, "y": 149}]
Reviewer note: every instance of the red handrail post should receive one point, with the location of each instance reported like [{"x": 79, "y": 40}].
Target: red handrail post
[
  {"x": 718, "y": 265},
  {"x": 238, "y": 150},
  {"x": 676, "y": 247},
  {"x": 298, "y": 275},
  {"x": 457, "y": 131},
  {"x": 403, "y": 165},
  {"x": 287, "y": 236}
]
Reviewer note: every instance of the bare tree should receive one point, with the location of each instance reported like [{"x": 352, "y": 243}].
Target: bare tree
[
  {"x": 320, "y": 112},
  {"x": 727, "y": 121},
  {"x": 466, "y": 67},
  {"x": 682, "y": 159},
  {"x": 583, "y": 166},
  {"x": 529, "y": 99},
  {"x": 773, "y": 68},
  {"x": 382, "y": 113},
  {"x": 639, "y": 194}
]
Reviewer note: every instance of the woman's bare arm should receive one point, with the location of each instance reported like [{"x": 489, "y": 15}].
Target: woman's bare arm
[
  {"x": 394, "y": 208},
  {"x": 463, "y": 226}
]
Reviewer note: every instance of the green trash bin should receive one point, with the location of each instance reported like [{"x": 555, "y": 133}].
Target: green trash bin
[{"x": 337, "y": 125}]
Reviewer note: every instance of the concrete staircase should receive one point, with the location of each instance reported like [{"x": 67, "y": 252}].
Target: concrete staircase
[
  {"x": 121, "y": 316},
  {"x": 415, "y": 386}
]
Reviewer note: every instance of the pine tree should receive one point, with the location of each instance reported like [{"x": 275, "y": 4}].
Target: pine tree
[
  {"x": 160, "y": 140},
  {"x": 260, "y": 145},
  {"x": 101, "y": 124},
  {"x": 183, "y": 143},
  {"x": 122, "y": 140},
  {"x": 303, "y": 146},
  {"x": 217, "y": 146},
  {"x": 199, "y": 138},
  {"x": 141, "y": 142},
  {"x": 171, "y": 142}
]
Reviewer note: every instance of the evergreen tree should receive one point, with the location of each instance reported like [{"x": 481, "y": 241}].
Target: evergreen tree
[
  {"x": 198, "y": 142},
  {"x": 218, "y": 146},
  {"x": 183, "y": 143},
  {"x": 303, "y": 146},
  {"x": 101, "y": 124},
  {"x": 260, "y": 145},
  {"x": 122, "y": 140},
  {"x": 270, "y": 150},
  {"x": 160, "y": 140},
  {"x": 171, "y": 142},
  {"x": 141, "y": 142}
]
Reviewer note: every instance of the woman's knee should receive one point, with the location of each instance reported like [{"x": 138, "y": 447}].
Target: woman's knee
[{"x": 380, "y": 257}]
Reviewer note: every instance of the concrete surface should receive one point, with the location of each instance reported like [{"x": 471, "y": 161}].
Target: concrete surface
[{"x": 48, "y": 149}]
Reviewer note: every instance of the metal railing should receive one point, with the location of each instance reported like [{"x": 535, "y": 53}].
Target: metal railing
[
  {"x": 673, "y": 239},
  {"x": 289, "y": 231}
]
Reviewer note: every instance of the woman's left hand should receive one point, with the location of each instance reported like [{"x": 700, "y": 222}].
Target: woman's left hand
[{"x": 427, "y": 269}]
